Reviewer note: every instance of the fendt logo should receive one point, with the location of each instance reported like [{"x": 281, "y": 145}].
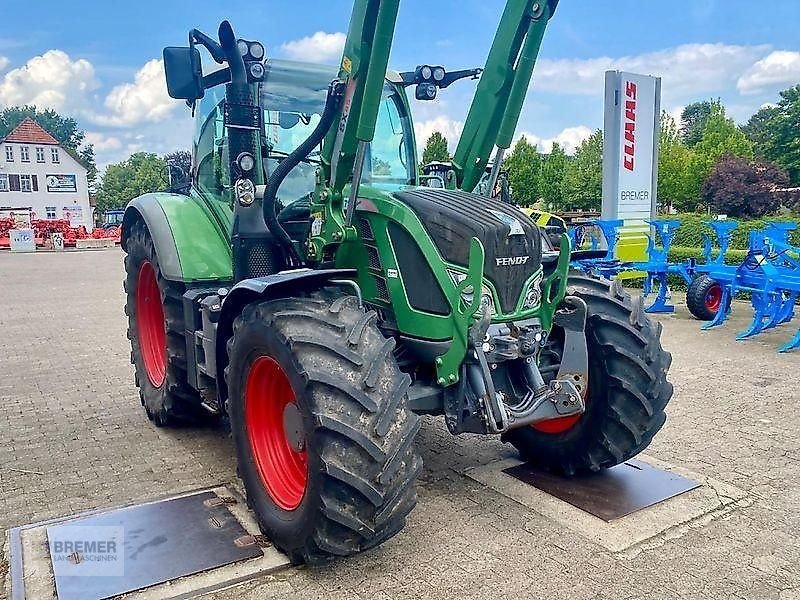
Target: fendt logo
[
  {"x": 630, "y": 125},
  {"x": 508, "y": 261}
]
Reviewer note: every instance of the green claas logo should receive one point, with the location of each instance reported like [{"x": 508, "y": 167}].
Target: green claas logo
[{"x": 508, "y": 261}]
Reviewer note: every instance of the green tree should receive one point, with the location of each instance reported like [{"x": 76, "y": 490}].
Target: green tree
[
  {"x": 775, "y": 133},
  {"x": 720, "y": 138},
  {"x": 583, "y": 176},
  {"x": 381, "y": 167},
  {"x": 64, "y": 129},
  {"x": 435, "y": 149},
  {"x": 674, "y": 159},
  {"x": 551, "y": 185},
  {"x": 524, "y": 165},
  {"x": 140, "y": 174},
  {"x": 693, "y": 121}
]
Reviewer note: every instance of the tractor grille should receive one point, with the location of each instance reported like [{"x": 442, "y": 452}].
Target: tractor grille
[
  {"x": 373, "y": 258},
  {"x": 365, "y": 229},
  {"x": 383, "y": 291},
  {"x": 259, "y": 261}
]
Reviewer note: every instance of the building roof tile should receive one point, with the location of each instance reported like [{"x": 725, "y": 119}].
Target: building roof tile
[{"x": 30, "y": 132}]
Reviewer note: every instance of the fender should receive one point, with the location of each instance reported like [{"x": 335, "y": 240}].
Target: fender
[
  {"x": 190, "y": 244},
  {"x": 288, "y": 283}
]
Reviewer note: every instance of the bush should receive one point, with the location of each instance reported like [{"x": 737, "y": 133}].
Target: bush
[{"x": 693, "y": 226}]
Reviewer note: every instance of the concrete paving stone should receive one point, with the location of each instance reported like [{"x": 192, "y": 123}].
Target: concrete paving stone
[{"x": 69, "y": 410}]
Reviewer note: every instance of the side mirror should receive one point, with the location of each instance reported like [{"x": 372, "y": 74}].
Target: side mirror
[{"x": 184, "y": 73}]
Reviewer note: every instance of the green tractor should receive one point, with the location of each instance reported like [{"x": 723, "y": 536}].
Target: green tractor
[{"x": 310, "y": 289}]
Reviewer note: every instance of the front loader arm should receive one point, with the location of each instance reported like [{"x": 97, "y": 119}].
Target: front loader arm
[
  {"x": 362, "y": 71},
  {"x": 497, "y": 104}
]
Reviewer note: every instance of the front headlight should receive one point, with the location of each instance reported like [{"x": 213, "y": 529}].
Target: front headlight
[
  {"x": 466, "y": 297},
  {"x": 533, "y": 295}
]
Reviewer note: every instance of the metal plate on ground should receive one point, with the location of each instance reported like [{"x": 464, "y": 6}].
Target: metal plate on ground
[
  {"x": 609, "y": 494},
  {"x": 712, "y": 499},
  {"x": 158, "y": 542}
]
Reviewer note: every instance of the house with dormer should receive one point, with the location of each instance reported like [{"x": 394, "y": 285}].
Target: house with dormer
[{"x": 38, "y": 174}]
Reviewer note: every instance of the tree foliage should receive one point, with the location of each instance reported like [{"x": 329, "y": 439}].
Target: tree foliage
[
  {"x": 524, "y": 165},
  {"x": 139, "y": 174},
  {"x": 687, "y": 168},
  {"x": 64, "y": 129},
  {"x": 435, "y": 149},
  {"x": 583, "y": 175},
  {"x": 775, "y": 133},
  {"x": 551, "y": 181},
  {"x": 743, "y": 187},
  {"x": 693, "y": 121},
  {"x": 674, "y": 160}
]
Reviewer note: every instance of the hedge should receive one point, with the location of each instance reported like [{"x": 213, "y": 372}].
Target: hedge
[
  {"x": 692, "y": 227},
  {"x": 680, "y": 254}
]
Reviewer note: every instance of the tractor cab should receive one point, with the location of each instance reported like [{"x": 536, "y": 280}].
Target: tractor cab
[{"x": 291, "y": 99}]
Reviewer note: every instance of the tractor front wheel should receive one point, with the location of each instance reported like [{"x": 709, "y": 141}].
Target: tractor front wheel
[
  {"x": 156, "y": 333},
  {"x": 627, "y": 388},
  {"x": 324, "y": 438}
]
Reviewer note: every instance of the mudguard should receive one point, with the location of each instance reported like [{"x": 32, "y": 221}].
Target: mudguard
[
  {"x": 279, "y": 285},
  {"x": 190, "y": 243}
]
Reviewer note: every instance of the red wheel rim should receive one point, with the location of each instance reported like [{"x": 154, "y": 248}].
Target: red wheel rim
[
  {"x": 150, "y": 325},
  {"x": 561, "y": 424},
  {"x": 283, "y": 468},
  {"x": 714, "y": 297}
]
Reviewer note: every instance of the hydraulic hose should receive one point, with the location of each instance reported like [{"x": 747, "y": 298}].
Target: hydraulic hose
[{"x": 291, "y": 161}]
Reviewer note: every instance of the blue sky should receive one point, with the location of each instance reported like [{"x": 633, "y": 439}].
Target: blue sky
[{"x": 99, "y": 61}]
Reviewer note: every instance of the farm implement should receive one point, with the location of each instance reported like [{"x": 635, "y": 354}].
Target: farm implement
[{"x": 770, "y": 274}]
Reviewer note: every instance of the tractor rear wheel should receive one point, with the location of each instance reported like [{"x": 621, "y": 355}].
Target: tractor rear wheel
[
  {"x": 627, "y": 388},
  {"x": 323, "y": 434},
  {"x": 156, "y": 331},
  {"x": 704, "y": 298}
]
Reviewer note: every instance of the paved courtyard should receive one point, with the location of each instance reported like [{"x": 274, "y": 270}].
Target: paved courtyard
[{"x": 75, "y": 437}]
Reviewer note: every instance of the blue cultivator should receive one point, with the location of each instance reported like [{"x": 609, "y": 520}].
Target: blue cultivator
[
  {"x": 607, "y": 266},
  {"x": 658, "y": 267},
  {"x": 770, "y": 273}
]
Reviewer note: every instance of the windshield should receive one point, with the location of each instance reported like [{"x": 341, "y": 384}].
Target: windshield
[{"x": 293, "y": 97}]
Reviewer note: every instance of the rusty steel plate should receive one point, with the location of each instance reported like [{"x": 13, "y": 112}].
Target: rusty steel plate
[
  {"x": 612, "y": 493},
  {"x": 122, "y": 550}
]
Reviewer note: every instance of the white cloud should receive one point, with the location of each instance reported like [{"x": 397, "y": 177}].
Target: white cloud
[
  {"x": 449, "y": 128},
  {"x": 3, "y": 62},
  {"x": 569, "y": 139},
  {"x": 51, "y": 80},
  {"x": 103, "y": 142},
  {"x": 689, "y": 69},
  {"x": 143, "y": 100},
  {"x": 777, "y": 69},
  {"x": 321, "y": 47}
]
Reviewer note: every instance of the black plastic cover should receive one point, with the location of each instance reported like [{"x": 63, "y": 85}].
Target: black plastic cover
[{"x": 512, "y": 241}]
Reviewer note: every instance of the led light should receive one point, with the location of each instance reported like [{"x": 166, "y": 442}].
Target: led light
[
  {"x": 431, "y": 91},
  {"x": 257, "y": 50},
  {"x": 246, "y": 161},
  {"x": 256, "y": 70},
  {"x": 438, "y": 73},
  {"x": 242, "y": 46},
  {"x": 533, "y": 295},
  {"x": 245, "y": 192},
  {"x": 426, "y": 72}
]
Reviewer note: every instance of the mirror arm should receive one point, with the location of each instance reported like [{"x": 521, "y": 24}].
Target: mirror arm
[
  {"x": 216, "y": 78},
  {"x": 214, "y": 49},
  {"x": 454, "y": 76}
]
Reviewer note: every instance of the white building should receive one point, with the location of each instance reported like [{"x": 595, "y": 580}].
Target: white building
[{"x": 38, "y": 174}]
